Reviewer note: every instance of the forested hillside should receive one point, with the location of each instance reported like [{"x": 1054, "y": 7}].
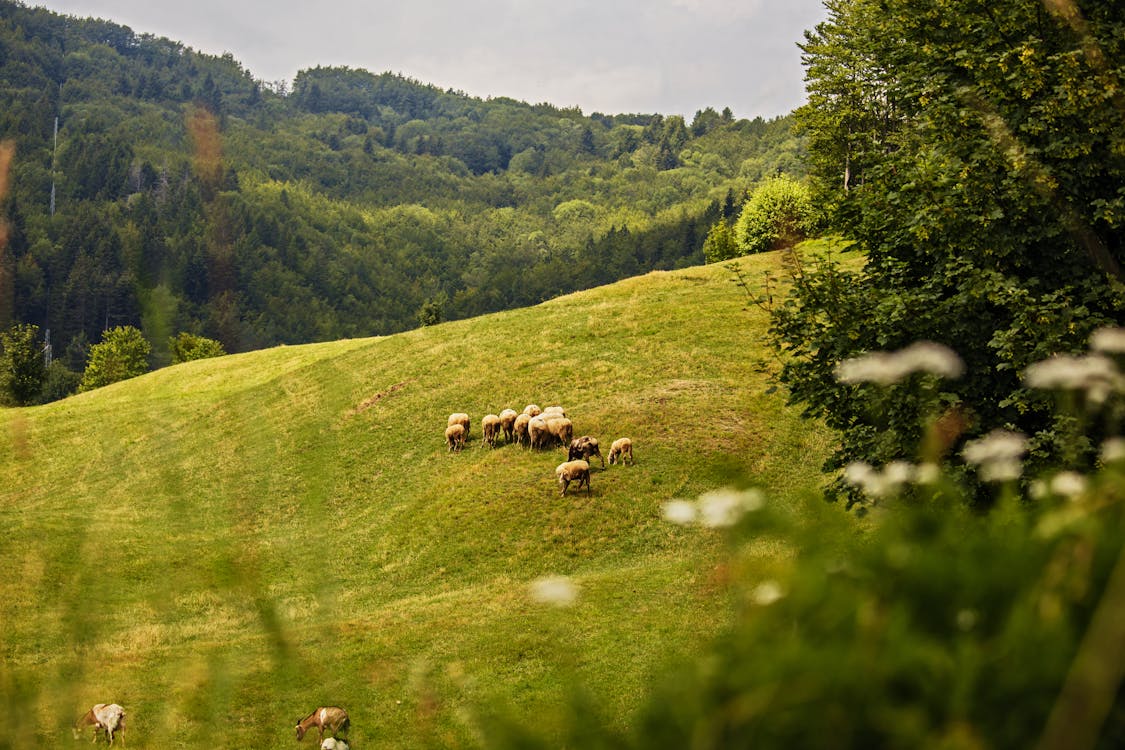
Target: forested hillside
[{"x": 181, "y": 194}]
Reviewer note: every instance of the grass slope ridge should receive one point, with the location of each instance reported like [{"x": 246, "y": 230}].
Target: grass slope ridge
[{"x": 223, "y": 545}]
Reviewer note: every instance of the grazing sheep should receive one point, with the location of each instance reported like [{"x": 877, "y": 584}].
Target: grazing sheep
[
  {"x": 532, "y": 410},
  {"x": 106, "y": 717},
  {"x": 331, "y": 743},
  {"x": 332, "y": 719},
  {"x": 573, "y": 471},
  {"x": 561, "y": 429},
  {"x": 455, "y": 437},
  {"x": 538, "y": 434},
  {"x": 461, "y": 419},
  {"x": 555, "y": 410},
  {"x": 584, "y": 447},
  {"x": 490, "y": 428},
  {"x": 520, "y": 427},
  {"x": 622, "y": 449},
  {"x": 508, "y": 424}
]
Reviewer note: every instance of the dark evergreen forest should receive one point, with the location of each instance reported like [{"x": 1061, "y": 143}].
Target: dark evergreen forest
[{"x": 179, "y": 193}]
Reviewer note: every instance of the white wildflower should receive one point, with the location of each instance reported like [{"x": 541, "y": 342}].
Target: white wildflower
[
  {"x": 1109, "y": 340},
  {"x": 1113, "y": 450},
  {"x": 967, "y": 619},
  {"x": 682, "y": 512},
  {"x": 558, "y": 591},
  {"x": 877, "y": 367},
  {"x": 936, "y": 359},
  {"x": 858, "y": 473},
  {"x": 1039, "y": 489},
  {"x": 997, "y": 445},
  {"x": 1093, "y": 373},
  {"x": 899, "y": 472},
  {"x": 1068, "y": 484},
  {"x": 886, "y": 368},
  {"x": 720, "y": 508},
  {"x": 927, "y": 473},
  {"x": 766, "y": 593},
  {"x": 997, "y": 455}
]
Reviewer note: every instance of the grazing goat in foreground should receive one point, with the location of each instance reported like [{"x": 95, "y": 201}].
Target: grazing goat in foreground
[
  {"x": 106, "y": 717},
  {"x": 332, "y": 719}
]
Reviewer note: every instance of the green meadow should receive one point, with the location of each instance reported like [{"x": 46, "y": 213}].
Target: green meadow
[{"x": 224, "y": 545}]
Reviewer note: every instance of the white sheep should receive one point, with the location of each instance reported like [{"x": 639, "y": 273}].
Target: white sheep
[
  {"x": 538, "y": 435},
  {"x": 331, "y": 743},
  {"x": 461, "y": 419},
  {"x": 508, "y": 423},
  {"x": 573, "y": 471},
  {"x": 520, "y": 429},
  {"x": 532, "y": 410},
  {"x": 555, "y": 410},
  {"x": 561, "y": 429},
  {"x": 455, "y": 437},
  {"x": 622, "y": 448},
  {"x": 490, "y": 428}
]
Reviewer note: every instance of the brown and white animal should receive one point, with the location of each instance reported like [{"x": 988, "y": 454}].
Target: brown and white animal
[
  {"x": 573, "y": 471},
  {"x": 490, "y": 428},
  {"x": 461, "y": 419},
  {"x": 455, "y": 437},
  {"x": 331, "y": 719},
  {"x": 105, "y": 717},
  {"x": 584, "y": 447},
  {"x": 520, "y": 427},
  {"x": 508, "y": 424},
  {"x": 621, "y": 449}
]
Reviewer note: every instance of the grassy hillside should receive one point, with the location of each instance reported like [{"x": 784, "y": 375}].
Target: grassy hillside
[{"x": 221, "y": 546}]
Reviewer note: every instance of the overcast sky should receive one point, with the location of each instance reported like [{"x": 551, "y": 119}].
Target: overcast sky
[{"x": 610, "y": 56}]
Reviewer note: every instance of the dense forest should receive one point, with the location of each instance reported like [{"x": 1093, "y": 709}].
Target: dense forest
[{"x": 157, "y": 187}]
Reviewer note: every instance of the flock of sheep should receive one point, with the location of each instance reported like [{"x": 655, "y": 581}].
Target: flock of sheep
[
  {"x": 108, "y": 719},
  {"x": 540, "y": 429}
]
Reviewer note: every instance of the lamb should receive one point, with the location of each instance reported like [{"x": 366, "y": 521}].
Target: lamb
[
  {"x": 508, "y": 423},
  {"x": 326, "y": 718},
  {"x": 622, "y": 449},
  {"x": 573, "y": 471},
  {"x": 331, "y": 743},
  {"x": 520, "y": 427},
  {"x": 461, "y": 419},
  {"x": 490, "y": 428},
  {"x": 106, "y": 717},
  {"x": 455, "y": 437},
  {"x": 584, "y": 447}
]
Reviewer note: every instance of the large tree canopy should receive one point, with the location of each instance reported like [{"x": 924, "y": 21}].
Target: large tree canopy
[{"x": 975, "y": 151}]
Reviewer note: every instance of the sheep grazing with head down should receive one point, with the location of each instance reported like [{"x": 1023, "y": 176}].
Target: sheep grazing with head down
[
  {"x": 103, "y": 717},
  {"x": 584, "y": 447},
  {"x": 332, "y": 743},
  {"x": 539, "y": 437},
  {"x": 561, "y": 429},
  {"x": 621, "y": 450},
  {"x": 532, "y": 410},
  {"x": 573, "y": 471},
  {"x": 508, "y": 424},
  {"x": 490, "y": 428},
  {"x": 520, "y": 429},
  {"x": 461, "y": 419},
  {"x": 455, "y": 437},
  {"x": 555, "y": 410}
]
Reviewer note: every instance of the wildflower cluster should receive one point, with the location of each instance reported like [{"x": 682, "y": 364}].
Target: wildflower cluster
[
  {"x": 888, "y": 368},
  {"x": 888, "y": 481},
  {"x": 997, "y": 456},
  {"x": 716, "y": 509}
]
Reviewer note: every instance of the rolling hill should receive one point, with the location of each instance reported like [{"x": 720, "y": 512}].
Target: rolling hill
[{"x": 224, "y": 545}]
